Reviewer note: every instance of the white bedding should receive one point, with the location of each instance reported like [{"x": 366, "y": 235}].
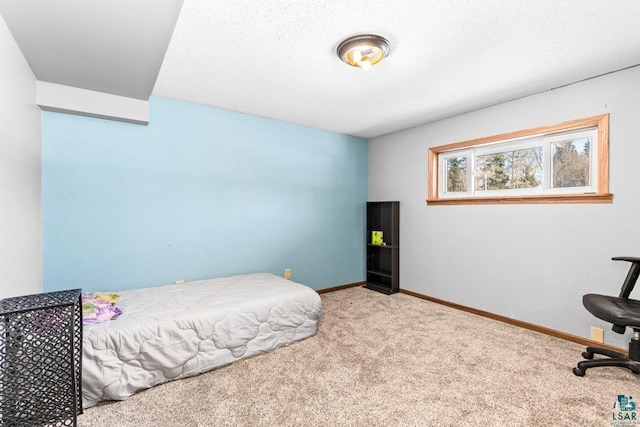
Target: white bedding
[{"x": 178, "y": 331}]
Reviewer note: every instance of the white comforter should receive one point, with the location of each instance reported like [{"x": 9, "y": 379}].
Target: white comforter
[{"x": 177, "y": 331}]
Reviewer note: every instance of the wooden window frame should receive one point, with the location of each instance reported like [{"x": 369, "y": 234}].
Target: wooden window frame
[{"x": 602, "y": 195}]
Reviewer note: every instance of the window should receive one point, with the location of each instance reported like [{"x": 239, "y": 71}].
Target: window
[{"x": 564, "y": 163}]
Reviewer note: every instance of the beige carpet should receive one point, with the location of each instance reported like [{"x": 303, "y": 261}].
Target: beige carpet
[{"x": 395, "y": 360}]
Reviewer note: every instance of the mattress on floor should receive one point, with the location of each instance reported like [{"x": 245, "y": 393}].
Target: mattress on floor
[{"x": 177, "y": 331}]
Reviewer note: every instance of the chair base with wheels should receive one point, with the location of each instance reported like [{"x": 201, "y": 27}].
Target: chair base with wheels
[
  {"x": 622, "y": 312},
  {"x": 615, "y": 358}
]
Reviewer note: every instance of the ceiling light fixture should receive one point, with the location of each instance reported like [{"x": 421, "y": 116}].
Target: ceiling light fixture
[{"x": 364, "y": 51}]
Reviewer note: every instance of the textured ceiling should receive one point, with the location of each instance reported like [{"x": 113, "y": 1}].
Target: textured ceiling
[{"x": 276, "y": 58}]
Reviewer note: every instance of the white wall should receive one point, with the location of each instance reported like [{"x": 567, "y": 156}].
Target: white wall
[
  {"x": 528, "y": 262},
  {"x": 20, "y": 218}
]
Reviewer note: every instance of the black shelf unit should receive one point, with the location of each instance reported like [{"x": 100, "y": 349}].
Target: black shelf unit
[
  {"x": 41, "y": 359},
  {"x": 383, "y": 260}
]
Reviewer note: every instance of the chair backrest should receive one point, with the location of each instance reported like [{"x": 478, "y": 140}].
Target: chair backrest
[{"x": 632, "y": 275}]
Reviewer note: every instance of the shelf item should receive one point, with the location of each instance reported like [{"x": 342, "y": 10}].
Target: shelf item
[
  {"x": 40, "y": 359},
  {"x": 376, "y": 237},
  {"x": 383, "y": 247}
]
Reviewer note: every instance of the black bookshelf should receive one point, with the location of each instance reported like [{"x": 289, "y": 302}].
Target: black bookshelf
[
  {"x": 41, "y": 359},
  {"x": 383, "y": 255}
]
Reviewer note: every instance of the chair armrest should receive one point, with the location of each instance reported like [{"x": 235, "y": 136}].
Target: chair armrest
[
  {"x": 632, "y": 275},
  {"x": 626, "y": 258}
]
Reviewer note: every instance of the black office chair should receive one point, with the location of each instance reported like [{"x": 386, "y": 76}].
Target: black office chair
[{"x": 622, "y": 312}]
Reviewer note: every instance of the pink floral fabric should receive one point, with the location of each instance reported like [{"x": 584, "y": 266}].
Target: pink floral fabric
[{"x": 99, "y": 307}]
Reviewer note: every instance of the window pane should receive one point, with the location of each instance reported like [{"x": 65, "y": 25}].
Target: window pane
[
  {"x": 562, "y": 163},
  {"x": 509, "y": 170},
  {"x": 456, "y": 175},
  {"x": 570, "y": 163}
]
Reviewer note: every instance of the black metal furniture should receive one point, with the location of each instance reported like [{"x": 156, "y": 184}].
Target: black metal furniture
[
  {"x": 622, "y": 312},
  {"x": 40, "y": 359}
]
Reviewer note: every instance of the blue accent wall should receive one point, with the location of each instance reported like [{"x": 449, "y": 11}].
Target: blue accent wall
[{"x": 199, "y": 193}]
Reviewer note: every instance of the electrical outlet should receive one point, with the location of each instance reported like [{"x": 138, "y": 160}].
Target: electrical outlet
[
  {"x": 287, "y": 273},
  {"x": 179, "y": 282},
  {"x": 597, "y": 334}
]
